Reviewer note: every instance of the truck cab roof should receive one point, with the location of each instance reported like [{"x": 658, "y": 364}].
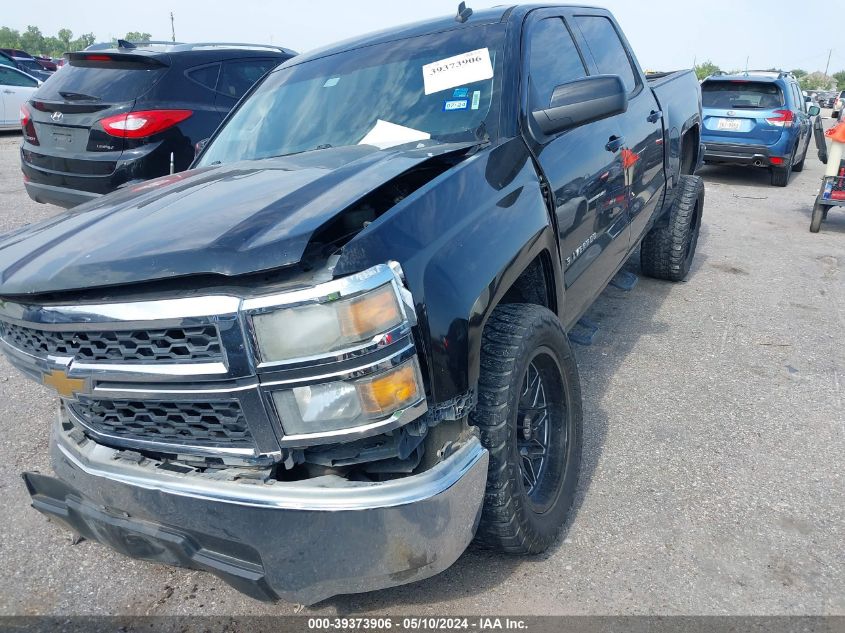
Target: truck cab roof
[{"x": 493, "y": 15}]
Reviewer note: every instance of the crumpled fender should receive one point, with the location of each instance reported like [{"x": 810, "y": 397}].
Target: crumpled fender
[{"x": 462, "y": 240}]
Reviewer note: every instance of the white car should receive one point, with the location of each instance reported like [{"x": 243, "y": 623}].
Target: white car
[
  {"x": 809, "y": 102},
  {"x": 16, "y": 88},
  {"x": 838, "y": 103}
]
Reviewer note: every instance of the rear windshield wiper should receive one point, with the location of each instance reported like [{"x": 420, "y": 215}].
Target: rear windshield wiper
[{"x": 77, "y": 96}]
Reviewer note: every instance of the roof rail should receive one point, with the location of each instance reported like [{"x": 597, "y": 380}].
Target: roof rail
[
  {"x": 169, "y": 46},
  {"x": 204, "y": 45},
  {"x": 157, "y": 42},
  {"x": 777, "y": 73}
]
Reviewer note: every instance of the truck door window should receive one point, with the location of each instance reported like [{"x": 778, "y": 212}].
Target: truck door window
[
  {"x": 10, "y": 77},
  {"x": 607, "y": 49},
  {"x": 553, "y": 60}
]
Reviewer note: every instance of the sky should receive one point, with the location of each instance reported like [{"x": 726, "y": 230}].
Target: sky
[{"x": 665, "y": 34}]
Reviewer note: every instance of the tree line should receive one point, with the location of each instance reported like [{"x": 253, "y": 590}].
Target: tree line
[
  {"x": 34, "y": 42},
  {"x": 809, "y": 81}
]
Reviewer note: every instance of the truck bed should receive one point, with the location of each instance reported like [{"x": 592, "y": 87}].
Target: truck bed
[{"x": 659, "y": 78}]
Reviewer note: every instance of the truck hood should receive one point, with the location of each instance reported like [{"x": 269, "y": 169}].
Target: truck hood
[{"x": 229, "y": 220}]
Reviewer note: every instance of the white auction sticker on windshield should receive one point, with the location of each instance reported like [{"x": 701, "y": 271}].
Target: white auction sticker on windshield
[{"x": 459, "y": 70}]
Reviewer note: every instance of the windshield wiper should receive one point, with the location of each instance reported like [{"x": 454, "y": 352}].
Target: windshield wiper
[
  {"x": 77, "y": 96},
  {"x": 302, "y": 151}
]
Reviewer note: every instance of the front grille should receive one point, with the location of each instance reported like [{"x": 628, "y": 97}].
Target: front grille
[
  {"x": 190, "y": 423},
  {"x": 200, "y": 343}
]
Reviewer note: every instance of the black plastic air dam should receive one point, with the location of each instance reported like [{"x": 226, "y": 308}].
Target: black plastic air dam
[{"x": 300, "y": 555}]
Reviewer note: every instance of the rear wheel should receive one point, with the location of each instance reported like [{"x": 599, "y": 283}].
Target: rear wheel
[
  {"x": 529, "y": 415},
  {"x": 819, "y": 213},
  {"x": 667, "y": 251}
]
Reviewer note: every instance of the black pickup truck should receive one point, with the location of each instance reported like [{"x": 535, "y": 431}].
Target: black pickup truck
[{"x": 335, "y": 352}]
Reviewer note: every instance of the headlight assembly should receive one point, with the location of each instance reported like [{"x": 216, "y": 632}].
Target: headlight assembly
[
  {"x": 343, "y": 405},
  {"x": 310, "y": 330},
  {"x": 337, "y": 360}
]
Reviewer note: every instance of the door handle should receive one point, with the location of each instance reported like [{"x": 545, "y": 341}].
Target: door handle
[
  {"x": 614, "y": 143},
  {"x": 9, "y": 92},
  {"x": 654, "y": 116}
]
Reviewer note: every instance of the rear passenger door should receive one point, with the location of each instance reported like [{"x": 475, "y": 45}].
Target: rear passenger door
[
  {"x": 641, "y": 124},
  {"x": 802, "y": 119},
  {"x": 237, "y": 76},
  {"x": 582, "y": 165}
]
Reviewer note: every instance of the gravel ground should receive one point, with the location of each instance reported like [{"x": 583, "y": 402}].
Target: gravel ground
[{"x": 713, "y": 478}]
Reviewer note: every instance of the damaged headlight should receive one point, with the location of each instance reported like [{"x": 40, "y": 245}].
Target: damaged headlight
[
  {"x": 341, "y": 405},
  {"x": 310, "y": 330}
]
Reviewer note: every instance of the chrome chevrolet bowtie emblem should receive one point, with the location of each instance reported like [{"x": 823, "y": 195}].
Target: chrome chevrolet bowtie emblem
[
  {"x": 57, "y": 116},
  {"x": 66, "y": 387}
]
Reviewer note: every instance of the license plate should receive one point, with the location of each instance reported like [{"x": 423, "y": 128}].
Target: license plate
[{"x": 728, "y": 124}]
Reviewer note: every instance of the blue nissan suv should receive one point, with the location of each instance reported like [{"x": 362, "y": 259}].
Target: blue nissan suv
[{"x": 759, "y": 119}]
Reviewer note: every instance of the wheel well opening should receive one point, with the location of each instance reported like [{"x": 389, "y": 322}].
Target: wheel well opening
[
  {"x": 689, "y": 150},
  {"x": 533, "y": 286}
]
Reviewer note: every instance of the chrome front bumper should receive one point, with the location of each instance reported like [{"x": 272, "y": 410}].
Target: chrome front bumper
[{"x": 301, "y": 541}]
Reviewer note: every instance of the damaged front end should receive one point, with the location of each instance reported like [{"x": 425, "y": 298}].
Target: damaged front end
[{"x": 282, "y": 440}]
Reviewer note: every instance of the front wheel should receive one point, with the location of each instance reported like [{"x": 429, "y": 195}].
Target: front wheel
[
  {"x": 529, "y": 415},
  {"x": 819, "y": 213}
]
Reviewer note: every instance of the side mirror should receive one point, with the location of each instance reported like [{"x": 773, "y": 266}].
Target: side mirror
[
  {"x": 583, "y": 101},
  {"x": 200, "y": 146},
  {"x": 813, "y": 110}
]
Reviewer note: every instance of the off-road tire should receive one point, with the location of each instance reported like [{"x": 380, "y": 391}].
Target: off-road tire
[
  {"x": 819, "y": 213},
  {"x": 668, "y": 249},
  {"x": 512, "y": 521}
]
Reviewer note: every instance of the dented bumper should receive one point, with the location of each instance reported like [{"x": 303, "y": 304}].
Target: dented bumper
[{"x": 297, "y": 541}]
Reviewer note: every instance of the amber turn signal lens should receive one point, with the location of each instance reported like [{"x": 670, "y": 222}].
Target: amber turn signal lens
[
  {"x": 370, "y": 314},
  {"x": 391, "y": 391}
]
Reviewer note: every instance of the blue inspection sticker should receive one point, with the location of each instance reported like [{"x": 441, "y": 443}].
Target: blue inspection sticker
[
  {"x": 455, "y": 104},
  {"x": 460, "y": 93}
]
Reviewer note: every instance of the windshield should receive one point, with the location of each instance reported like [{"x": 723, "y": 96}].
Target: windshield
[
  {"x": 107, "y": 82},
  {"x": 741, "y": 95},
  {"x": 443, "y": 86},
  {"x": 30, "y": 64}
]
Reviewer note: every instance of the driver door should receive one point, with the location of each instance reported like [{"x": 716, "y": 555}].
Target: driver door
[{"x": 583, "y": 166}]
